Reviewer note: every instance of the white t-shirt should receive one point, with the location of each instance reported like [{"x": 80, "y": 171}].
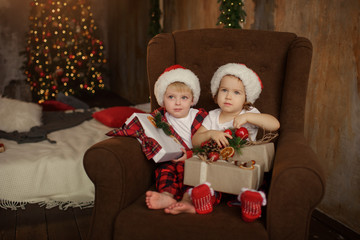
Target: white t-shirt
[
  {"x": 211, "y": 122},
  {"x": 182, "y": 126}
]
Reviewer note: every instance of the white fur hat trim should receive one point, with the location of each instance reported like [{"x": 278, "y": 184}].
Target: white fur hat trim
[
  {"x": 176, "y": 73},
  {"x": 250, "y": 79}
]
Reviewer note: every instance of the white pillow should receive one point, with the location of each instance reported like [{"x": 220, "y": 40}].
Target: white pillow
[{"x": 19, "y": 116}]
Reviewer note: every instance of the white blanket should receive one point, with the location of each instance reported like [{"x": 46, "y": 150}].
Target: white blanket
[{"x": 50, "y": 174}]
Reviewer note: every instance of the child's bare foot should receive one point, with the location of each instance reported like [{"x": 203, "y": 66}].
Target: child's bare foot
[
  {"x": 180, "y": 207},
  {"x": 156, "y": 200}
]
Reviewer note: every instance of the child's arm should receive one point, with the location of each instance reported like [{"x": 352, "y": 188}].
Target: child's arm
[
  {"x": 262, "y": 120},
  {"x": 203, "y": 135}
]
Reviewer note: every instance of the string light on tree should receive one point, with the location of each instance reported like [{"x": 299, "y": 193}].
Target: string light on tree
[
  {"x": 231, "y": 13},
  {"x": 64, "y": 52}
]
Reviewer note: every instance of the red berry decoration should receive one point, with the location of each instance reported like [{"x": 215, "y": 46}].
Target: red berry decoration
[
  {"x": 213, "y": 156},
  {"x": 242, "y": 133},
  {"x": 228, "y": 131}
]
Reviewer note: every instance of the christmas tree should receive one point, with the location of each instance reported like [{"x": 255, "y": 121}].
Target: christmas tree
[
  {"x": 63, "y": 53},
  {"x": 231, "y": 13}
]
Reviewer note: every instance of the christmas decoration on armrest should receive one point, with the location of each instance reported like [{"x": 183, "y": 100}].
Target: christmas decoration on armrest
[{"x": 210, "y": 151}]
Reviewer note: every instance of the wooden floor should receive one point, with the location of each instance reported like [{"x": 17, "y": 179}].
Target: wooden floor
[{"x": 38, "y": 223}]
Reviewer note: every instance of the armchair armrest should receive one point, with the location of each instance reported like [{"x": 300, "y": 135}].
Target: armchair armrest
[
  {"x": 121, "y": 173},
  {"x": 297, "y": 186}
]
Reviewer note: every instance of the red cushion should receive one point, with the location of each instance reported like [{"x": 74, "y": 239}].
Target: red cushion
[
  {"x": 53, "y": 105},
  {"x": 115, "y": 116}
]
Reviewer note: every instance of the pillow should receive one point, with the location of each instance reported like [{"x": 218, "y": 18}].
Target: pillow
[
  {"x": 19, "y": 116},
  {"x": 115, "y": 116},
  {"x": 53, "y": 105}
]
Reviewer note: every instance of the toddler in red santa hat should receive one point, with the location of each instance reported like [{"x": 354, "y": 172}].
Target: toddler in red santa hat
[
  {"x": 176, "y": 91},
  {"x": 235, "y": 88}
]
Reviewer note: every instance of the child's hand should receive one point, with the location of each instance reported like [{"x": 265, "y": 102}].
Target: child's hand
[
  {"x": 182, "y": 158},
  {"x": 220, "y": 137},
  {"x": 240, "y": 120}
]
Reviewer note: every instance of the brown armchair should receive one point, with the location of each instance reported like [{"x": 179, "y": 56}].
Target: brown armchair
[{"x": 122, "y": 174}]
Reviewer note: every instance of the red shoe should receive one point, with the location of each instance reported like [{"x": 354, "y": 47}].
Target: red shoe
[
  {"x": 251, "y": 202},
  {"x": 202, "y": 198}
]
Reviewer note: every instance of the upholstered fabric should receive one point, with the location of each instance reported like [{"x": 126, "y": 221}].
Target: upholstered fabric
[{"x": 122, "y": 174}]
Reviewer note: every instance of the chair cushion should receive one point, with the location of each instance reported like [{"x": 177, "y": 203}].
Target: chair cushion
[{"x": 223, "y": 223}]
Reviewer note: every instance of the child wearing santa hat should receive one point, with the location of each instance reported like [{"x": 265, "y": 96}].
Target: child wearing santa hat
[
  {"x": 176, "y": 91},
  {"x": 235, "y": 87}
]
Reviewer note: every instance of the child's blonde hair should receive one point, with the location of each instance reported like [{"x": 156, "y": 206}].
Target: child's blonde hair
[{"x": 181, "y": 87}]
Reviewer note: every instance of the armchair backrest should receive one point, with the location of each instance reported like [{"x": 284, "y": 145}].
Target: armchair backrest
[{"x": 282, "y": 61}]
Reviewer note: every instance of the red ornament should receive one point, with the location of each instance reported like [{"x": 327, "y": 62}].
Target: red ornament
[
  {"x": 54, "y": 87},
  {"x": 228, "y": 131},
  {"x": 65, "y": 79},
  {"x": 242, "y": 133},
  {"x": 213, "y": 156}
]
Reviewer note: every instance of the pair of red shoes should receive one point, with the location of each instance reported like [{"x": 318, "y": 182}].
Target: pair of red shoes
[{"x": 203, "y": 197}]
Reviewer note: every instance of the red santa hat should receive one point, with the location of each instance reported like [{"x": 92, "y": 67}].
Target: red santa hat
[
  {"x": 249, "y": 78},
  {"x": 176, "y": 73}
]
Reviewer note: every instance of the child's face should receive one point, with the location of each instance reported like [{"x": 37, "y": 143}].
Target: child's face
[
  {"x": 231, "y": 94},
  {"x": 177, "y": 103}
]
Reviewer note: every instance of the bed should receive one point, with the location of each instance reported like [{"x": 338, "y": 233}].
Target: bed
[{"x": 44, "y": 165}]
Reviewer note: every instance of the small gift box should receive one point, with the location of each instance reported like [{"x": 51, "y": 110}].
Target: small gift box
[
  {"x": 224, "y": 176},
  {"x": 167, "y": 147}
]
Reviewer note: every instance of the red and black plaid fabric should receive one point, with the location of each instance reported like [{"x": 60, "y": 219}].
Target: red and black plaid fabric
[
  {"x": 134, "y": 129},
  {"x": 170, "y": 175},
  {"x": 200, "y": 116},
  {"x": 169, "y": 178}
]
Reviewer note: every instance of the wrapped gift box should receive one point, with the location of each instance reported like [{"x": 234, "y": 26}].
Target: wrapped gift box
[
  {"x": 170, "y": 146},
  {"x": 227, "y": 177},
  {"x": 223, "y": 176},
  {"x": 260, "y": 153}
]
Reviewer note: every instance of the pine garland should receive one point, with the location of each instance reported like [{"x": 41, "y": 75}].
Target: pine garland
[{"x": 159, "y": 123}]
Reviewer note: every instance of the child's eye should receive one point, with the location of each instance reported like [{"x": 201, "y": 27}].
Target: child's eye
[
  {"x": 223, "y": 90},
  {"x": 237, "y": 93},
  {"x": 184, "y": 97},
  {"x": 170, "y": 96}
]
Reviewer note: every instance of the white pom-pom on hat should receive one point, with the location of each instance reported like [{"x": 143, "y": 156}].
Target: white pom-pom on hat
[
  {"x": 250, "y": 79},
  {"x": 176, "y": 73}
]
